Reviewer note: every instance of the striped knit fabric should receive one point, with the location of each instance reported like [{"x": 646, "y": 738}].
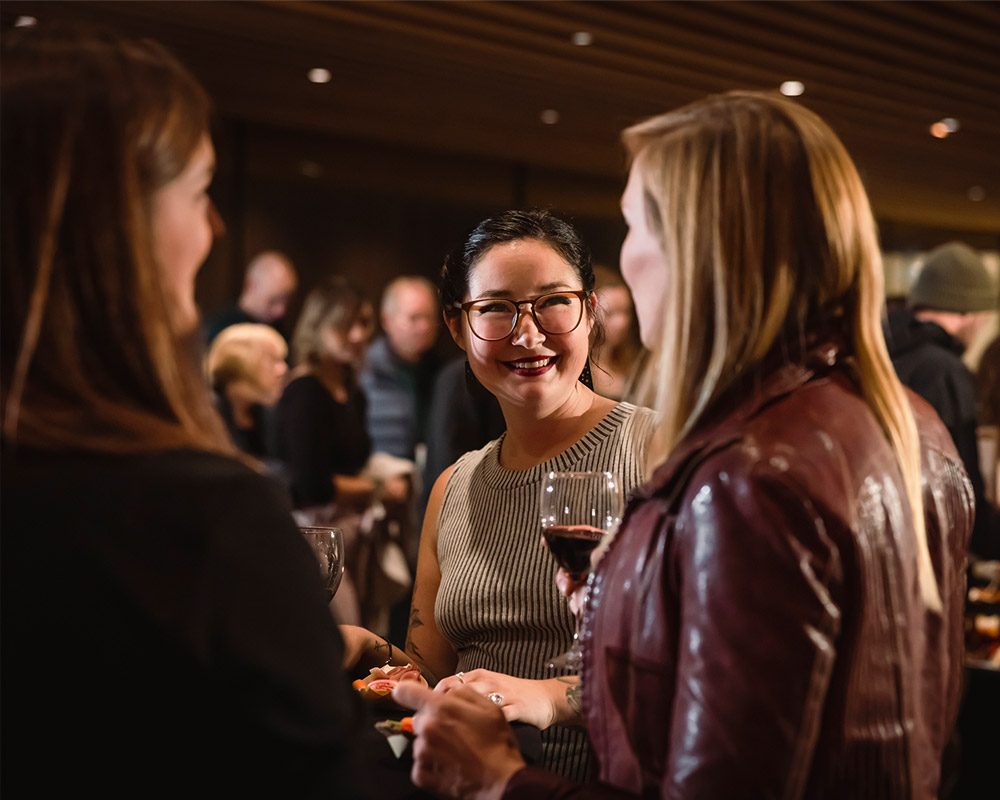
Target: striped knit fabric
[{"x": 498, "y": 603}]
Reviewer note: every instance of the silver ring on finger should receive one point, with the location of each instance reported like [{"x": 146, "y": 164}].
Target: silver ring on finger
[
  {"x": 461, "y": 677},
  {"x": 496, "y": 698}
]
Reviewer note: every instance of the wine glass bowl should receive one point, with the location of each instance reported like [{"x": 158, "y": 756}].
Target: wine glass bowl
[
  {"x": 328, "y": 545},
  {"x": 579, "y": 510}
]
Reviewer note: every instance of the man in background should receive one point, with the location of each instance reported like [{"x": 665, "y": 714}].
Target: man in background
[
  {"x": 398, "y": 377},
  {"x": 398, "y": 382},
  {"x": 268, "y": 286},
  {"x": 950, "y": 301}
]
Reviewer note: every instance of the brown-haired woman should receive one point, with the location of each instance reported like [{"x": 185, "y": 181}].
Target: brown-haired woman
[
  {"x": 320, "y": 432},
  {"x": 780, "y": 614},
  {"x": 165, "y": 631}
]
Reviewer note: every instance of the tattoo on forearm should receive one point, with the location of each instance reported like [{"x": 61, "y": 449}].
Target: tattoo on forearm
[
  {"x": 415, "y": 622},
  {"x": 573, "y": 695},
  {"x": 383, "y": 650}
]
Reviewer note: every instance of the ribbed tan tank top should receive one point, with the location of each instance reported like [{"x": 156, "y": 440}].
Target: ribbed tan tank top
[{"x": 498, "y": 604}]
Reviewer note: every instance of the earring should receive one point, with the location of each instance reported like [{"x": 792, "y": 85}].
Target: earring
[{"x": 585, "y": 377}]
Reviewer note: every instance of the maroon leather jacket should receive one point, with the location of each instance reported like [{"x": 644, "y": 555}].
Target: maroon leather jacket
[{"x": 756, "y": 628}]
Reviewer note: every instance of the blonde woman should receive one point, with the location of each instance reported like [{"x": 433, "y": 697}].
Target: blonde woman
[
  {"x": 781, "y": 613},
  {"x": 246, "y": 365}
]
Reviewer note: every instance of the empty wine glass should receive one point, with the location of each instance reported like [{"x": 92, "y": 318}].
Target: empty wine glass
[
  {"x": 578, "y": 510},
  {"x": 328, "y": 545}
]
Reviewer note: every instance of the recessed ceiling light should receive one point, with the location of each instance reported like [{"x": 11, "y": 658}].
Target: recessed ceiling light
[
  {"x": 943, "y": 127},
  {"x": 320, "y": 75},
  {"x": 977, "y": 193},
  {"x": 792, "y": 88},
  {"x": 25, "y": 22},
  {"x": 582, "y": 38},
  {"x": 549, "y": 116},
  {"x": 939, "y": 130}
]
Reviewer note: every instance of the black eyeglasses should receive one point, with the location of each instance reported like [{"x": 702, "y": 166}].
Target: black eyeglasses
[{"x": 555, "y": 313}]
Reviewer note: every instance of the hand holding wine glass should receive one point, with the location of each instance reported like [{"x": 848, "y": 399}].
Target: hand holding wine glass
[{"x": 578, "y": 510}]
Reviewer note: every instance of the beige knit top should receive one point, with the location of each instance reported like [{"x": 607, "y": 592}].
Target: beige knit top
[{"x": 498, "y": 604}]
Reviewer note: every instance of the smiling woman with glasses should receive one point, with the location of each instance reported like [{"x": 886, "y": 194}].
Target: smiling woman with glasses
[{"x": 518, "y": 299}]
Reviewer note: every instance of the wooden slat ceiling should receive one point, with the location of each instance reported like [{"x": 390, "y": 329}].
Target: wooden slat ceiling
[{"x": 472, "y": 78}]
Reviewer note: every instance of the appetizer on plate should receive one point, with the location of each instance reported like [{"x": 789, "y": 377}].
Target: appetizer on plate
[
  {"x": 398, "y": 734},
  {"x": 381, "y": 681}
]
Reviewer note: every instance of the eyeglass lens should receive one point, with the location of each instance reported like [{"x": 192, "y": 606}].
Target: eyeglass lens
[{"x": 555, "y": 313}]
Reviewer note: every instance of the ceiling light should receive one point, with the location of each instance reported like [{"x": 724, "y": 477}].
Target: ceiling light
[
  {"x": 792, "y": 88},
  {"x": 320, "y": 75},
  {"x": 977, "y": 193},
  {"x": 549, "y": 116},
  {"x": 582, "y": 38},
  {"x": 943, "y": 127},
  {"x": 25, "y": 22}
]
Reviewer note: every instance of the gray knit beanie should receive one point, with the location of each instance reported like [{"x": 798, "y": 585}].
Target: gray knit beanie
[{"x": 953, "y": 278}]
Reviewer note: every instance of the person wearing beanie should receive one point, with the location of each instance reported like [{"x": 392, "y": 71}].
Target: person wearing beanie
[{"x": 949, "y": 303}]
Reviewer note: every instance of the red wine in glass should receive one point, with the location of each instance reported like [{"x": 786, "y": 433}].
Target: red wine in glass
[
  {"x": 572, "y": 545},
  {"x": 578, "y": 510}
]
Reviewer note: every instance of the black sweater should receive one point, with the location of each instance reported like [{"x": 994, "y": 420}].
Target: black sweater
[
  {"x": 165, "y": 633},
  {"x": 316, "y": 437},
  {"x": 929, "y": 360}
]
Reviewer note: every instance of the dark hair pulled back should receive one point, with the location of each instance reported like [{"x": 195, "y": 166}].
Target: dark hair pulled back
[{"x": 513, "y": 226}]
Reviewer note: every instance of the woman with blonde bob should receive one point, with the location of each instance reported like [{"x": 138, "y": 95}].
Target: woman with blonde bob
[
  {"x": 246, "y": 366},
  {"x": 166, "y": 632},
  {"x": 781, "y": 612}
]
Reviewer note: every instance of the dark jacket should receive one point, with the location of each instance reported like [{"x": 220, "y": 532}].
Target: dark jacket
[
  {"x": 256, "y": 440},
  {"x": 463, "y": 416},
  {"x": 929, "y": 361},
  {"x": 756, "y": 628}
]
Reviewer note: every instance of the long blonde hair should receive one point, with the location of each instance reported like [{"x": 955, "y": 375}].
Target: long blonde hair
[
  {"x": 93, "y": 125},
  {"x": 763, "y": 219}
]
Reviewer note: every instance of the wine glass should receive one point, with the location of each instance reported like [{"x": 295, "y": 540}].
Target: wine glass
[
  {"x": 328, "y": 545},
  {"x": 578, "y": 510}
]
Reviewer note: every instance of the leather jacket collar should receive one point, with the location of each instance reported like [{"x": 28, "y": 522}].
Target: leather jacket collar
[{"x": 782, "y": 371}]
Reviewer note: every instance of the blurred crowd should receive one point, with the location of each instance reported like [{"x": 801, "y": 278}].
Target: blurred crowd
[{"x": 358, "y": 413}]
